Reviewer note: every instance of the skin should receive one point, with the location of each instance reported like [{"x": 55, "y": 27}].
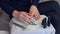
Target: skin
[{"x": 33, "y": 12}]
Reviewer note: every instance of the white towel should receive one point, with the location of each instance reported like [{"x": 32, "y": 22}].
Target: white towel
[{"x": 31, "y": 29}]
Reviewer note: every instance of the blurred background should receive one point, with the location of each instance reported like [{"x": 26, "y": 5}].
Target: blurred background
[{"x": 48, "y": 0}]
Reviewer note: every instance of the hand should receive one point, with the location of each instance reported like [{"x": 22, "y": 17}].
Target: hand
[
  {"x": 21, "y": 15},
  {"x": 34, "y": 12}
]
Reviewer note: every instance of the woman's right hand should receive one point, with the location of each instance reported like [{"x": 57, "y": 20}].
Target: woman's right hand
[{"x": 21, "y": 15}]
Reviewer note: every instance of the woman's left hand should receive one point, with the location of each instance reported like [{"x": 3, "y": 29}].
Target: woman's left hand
[{"x": 34, "y": 12}]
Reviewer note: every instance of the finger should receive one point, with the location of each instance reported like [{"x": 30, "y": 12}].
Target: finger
[
  {"x": 24, "y": 12},
  {"x": 32, "y": 13},
  {"x": 21, "y": 18},
  {"x": 37, "y": 16},
  {"x": 26, "y": 15}
]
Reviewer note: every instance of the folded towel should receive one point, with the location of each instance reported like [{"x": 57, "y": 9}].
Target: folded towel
[{"x": 18, "y": 27}]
